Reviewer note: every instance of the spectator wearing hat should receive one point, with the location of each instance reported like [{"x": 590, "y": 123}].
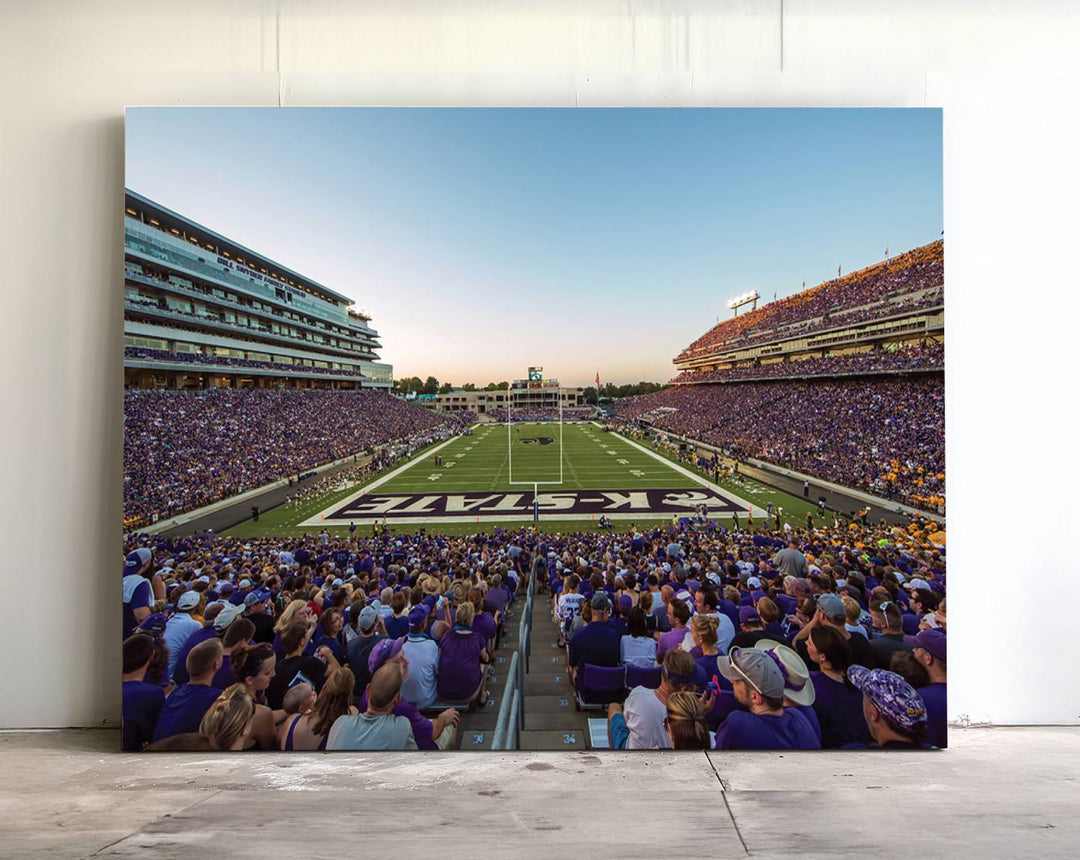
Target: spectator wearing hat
[
  {"x": 377, "y": 728},
  {"x": 429, "y": 734},
  {"x": 888, "y": 622},
  {"x": 138, "y": 590},
  {"x": 637, "y": 647},
  {"x": 829, "y": 611},
  {"x": 295, "y": 665},
  {"x": 837, "y": 703},
  {"x": 638, "y": 724},
  {"x": 929, "y": 648},
  {"x": 311, "y": 729},
  {"x": 596, "y": 643},
  {"x": 758, "y": 683},
  {"x": 369, "y": 628},
  {"x": 798, "y": 689},
  {"x": 142, "y": 702},
  {"x": 256, "y": 610},
  {"x": 685, "y": 722},
  {"x": 751, "y": 629},
  {"x": 422, "y": 652},
  {"x": 895, "y": 714},
  {"x": 181, "y": 625},
  {"x": 462, "y": 657},
  {"x": 185, "y": 706},
  {"x": 215, "y": 611}
]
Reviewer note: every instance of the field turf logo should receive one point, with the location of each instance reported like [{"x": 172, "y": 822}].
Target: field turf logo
[{"x": 532, "y": 440}]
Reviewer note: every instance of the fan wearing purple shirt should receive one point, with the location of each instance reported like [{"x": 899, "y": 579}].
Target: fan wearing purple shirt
[
  {"x": 462, "y": 657},
  {"x": 142, "y": 702},
  {"x": 929, "y": 648},
  {"x": 184, "y": 709},
  {"x": 679, "y": 616},
  {"x": 837, "y": 703},
  {"x": 595, "y": 643},
  {"x": 765, "y": 724}
]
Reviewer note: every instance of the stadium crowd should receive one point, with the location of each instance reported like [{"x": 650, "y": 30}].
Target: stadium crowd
[
  {"x": 140, "y": 353},
  {"x": 913, "y": 358},
  {"x": 910, "y": 281},
  {"x": 187, "y": 448},
  {"x": 759, "y": 638},
  {"x": 883, "y": 435}
]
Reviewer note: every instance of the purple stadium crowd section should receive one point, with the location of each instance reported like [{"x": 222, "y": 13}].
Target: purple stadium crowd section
[
  {"x": 914, "y": 358},
  {"x": 870, "y": 293},
  {"x": 186, "y": 449},
  {"x": 784, "y": 639},
  {"x": 883, "y": 435}
]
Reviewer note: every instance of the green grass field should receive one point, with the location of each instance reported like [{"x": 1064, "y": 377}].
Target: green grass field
[{"x": 486, "y": 462}]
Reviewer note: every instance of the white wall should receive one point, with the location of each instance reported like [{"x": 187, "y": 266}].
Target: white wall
[{"x": 1005, "y": 76}]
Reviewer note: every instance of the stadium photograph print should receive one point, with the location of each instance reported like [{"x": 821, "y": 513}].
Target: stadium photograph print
[{"x": 498, "y": 429}]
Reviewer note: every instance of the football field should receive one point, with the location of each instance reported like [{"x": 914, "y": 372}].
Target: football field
[{"x": 501, "y": 474}]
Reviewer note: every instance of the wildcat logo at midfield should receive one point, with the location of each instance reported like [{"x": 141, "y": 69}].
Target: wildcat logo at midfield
[
  {"x": 557, "y": 504},
  {"x": 543, "y": 440}
]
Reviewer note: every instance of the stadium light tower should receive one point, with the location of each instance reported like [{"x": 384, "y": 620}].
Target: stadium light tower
[{"x": 745, "y": 299}]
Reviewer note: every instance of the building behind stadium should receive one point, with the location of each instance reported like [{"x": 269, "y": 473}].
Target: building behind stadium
[{"x": 203, "y": 311}]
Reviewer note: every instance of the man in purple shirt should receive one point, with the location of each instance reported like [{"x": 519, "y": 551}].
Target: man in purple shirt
[
  {"x": 929, "y": 649},
  {"x": 142, "y": 702},
  {"x": 596, "y": 643},
  {"x": 758, "y": 683},
  {"x": 184, "y": 709}
]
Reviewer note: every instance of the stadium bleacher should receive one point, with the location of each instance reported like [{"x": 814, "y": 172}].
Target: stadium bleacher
[
  {"x": 348, "y": 594},
  {"x": 902, "y": 284},
  {"x": 187, "y": 448}
]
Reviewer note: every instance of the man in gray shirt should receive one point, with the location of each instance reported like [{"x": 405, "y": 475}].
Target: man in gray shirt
[
  {"x": 377, "y": 728},
  {"x": 791, "y": 562}
]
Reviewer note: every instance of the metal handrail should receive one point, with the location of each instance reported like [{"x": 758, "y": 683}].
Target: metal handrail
[{"x": 504, "y": 705}]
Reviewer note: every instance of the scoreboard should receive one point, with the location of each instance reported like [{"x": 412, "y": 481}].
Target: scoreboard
[{"x": 536, "y": 377}]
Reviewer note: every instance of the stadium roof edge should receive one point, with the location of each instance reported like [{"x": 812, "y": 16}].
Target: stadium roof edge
[{"x": 146, "y": 201}]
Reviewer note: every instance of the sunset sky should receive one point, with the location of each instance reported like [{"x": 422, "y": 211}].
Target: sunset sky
[{"x": 582, "y": 240}]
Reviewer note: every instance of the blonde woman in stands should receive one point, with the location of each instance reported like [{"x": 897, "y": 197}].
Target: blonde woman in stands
[{"x": 228, "y": 723}]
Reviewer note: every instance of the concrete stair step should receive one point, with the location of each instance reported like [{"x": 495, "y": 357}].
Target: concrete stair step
[
  {"x": 547, "y": 664},
  {"x": 571, "y": 739},
  {"x": 557, "y": 704},
  {"x": 547, "y": 685},
  {"x": 540, "y": 722}
]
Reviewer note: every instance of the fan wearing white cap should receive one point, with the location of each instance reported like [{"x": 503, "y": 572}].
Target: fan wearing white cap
[
  {"x": 181, "y": 625},
  {"x": 760, "y": 686}
]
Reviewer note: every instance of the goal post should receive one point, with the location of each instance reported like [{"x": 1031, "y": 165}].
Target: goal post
[{"x": 533, "y": 482}]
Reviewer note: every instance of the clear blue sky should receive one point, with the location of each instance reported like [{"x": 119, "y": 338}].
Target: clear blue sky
[{"x": 484, "y": 241}]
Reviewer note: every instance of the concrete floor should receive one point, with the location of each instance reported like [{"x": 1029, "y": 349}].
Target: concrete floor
[{"x": 1005, "y": 792}]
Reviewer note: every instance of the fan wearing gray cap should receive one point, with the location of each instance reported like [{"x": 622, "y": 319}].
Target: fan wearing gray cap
[
  {"x": 369, "y": 627},
  {"x": 597, "y": 643},
  {"x": 831, "y": 612},
  {"x": 759, "y": 683}
]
